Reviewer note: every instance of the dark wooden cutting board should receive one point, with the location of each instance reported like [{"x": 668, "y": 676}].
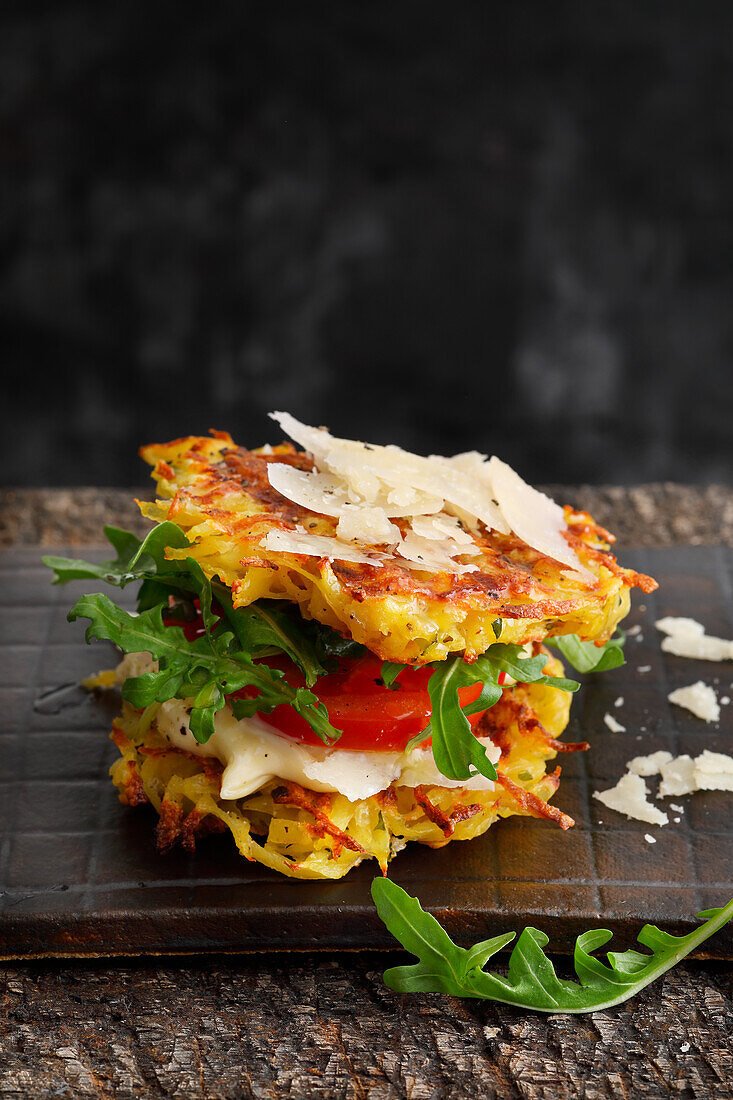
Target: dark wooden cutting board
[{"x": 79, "y": 874}]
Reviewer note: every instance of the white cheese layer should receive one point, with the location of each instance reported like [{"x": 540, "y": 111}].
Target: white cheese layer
[{"x": 253, "y": 754}]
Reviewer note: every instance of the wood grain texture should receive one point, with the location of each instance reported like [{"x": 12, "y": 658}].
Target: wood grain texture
[
  {"x": 329, "y": 1028},
  {"x": 300, "y": 1026}
]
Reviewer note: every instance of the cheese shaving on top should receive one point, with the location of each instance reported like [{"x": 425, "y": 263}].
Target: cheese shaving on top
[
  {"x": 369, "y": 525},
  {"x": 445, "y": 499},
  {"x": 331, "y": 496},
  {"x": 429, "y": 554},
  {"x": 441, "y": 527},
  {"x": 372, "y": 470},
  {"x": 532, "y": 516},
  {"x": 300, "y": 541}
]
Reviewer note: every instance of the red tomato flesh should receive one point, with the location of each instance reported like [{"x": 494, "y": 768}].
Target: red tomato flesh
[{"x": 371, "y": 716}]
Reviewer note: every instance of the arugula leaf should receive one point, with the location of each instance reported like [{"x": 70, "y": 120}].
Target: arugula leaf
[
  {"x": 390, "y": 672},
  {"x": 456, "y": 751},
  {"x": 136, "y": 559},
  {"x": 587, "y": 656},
  {"x": 328, "y": 644},
  {"x": 205, "y": 669},
  {"x": 261, "y": 628},
  {"x": 455, "y": 748},
  {"x": 531, "y": 981},
  {"x": 526, "y": 670}
]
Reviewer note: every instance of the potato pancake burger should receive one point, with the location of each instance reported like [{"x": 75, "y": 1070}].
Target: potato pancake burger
[{"x": 342, "y": 648}]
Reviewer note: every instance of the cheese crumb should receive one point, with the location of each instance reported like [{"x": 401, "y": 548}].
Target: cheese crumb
[
  {"x": 613, "y": 725},
  {"x": 674, "y": 624},
  {"x": 714, "y": 771},
  {"x": 619, "y": 702},
  {"x": 699, "y": 698},
  {"x": 644, "y": 668},
  {"x": 678, "y": 777},
  {"x": 649, "y": 765},
  {"x": 687, "y": 638},
  {"x": 649, "y": 838},
  {"x": 710, "y": 771},
  {"x": 629, "y": 797}
]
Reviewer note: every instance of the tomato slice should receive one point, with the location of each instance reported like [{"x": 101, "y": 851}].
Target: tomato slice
[{"x": 371, "y": 716}]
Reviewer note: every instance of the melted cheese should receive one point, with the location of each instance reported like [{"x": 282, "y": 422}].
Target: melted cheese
[{"x": 253, "y": 755}]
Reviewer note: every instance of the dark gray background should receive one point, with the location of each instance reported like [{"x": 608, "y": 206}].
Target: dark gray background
[{"x": 449, "y": 225}]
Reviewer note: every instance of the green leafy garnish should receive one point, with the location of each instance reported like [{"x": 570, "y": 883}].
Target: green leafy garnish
[
  {"x": 329, "y": 646},
  {"x": 205, "y": 669},
  {"x": 390, "y": 672},
  {"x": 587, "y": 656},
  {"x": 261, "y": 629},
  {"x": 525, "y": 670},
  {"x": 531, "y": 981},
  {"x": 457, "y": 752},
  {"x": 136, "y": 559}
]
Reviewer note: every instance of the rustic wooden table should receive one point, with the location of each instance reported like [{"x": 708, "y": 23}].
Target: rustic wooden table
[{"x": 325, "y": 1025}]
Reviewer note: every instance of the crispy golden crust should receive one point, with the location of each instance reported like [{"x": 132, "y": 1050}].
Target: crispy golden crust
[
  {"x": 221, "y": 496},
  {"x": 305, "y": 834}
]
